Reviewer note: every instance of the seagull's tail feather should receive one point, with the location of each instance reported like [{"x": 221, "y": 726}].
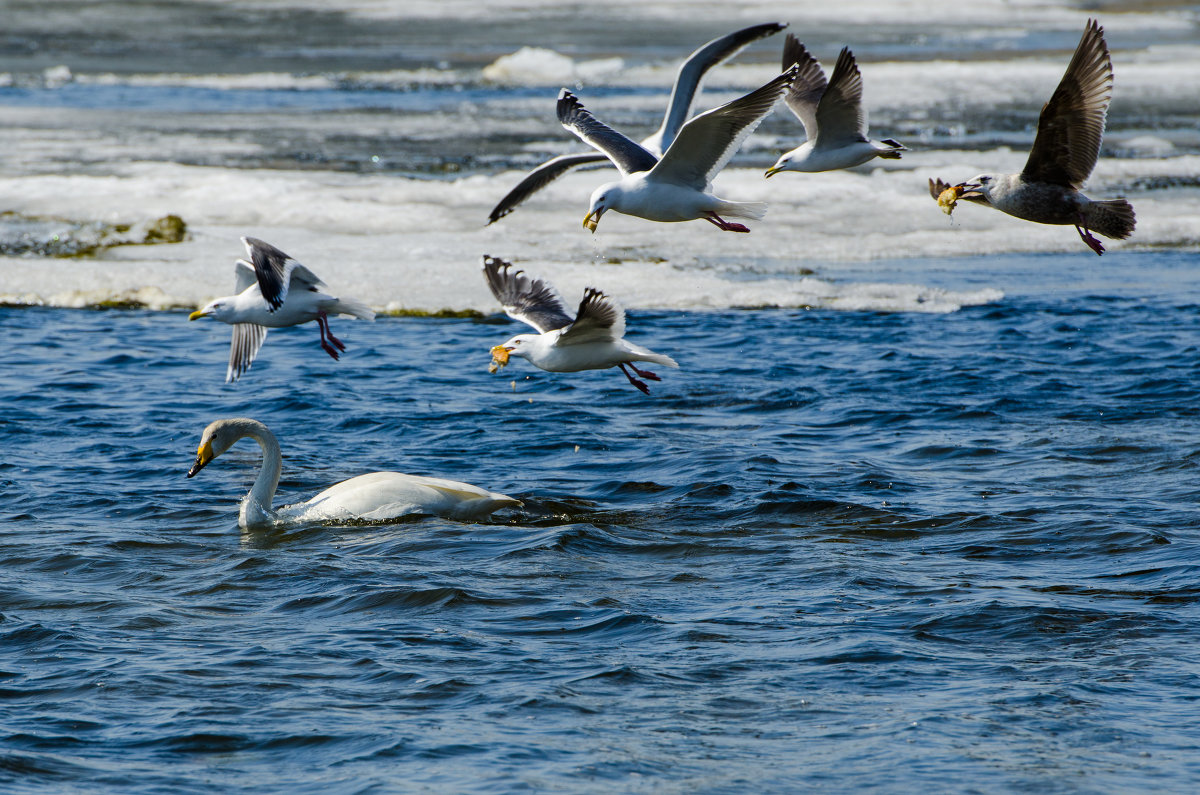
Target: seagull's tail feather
[
  {"x": 350, "y": 306},
  {"x": 889, "y": 148},
  {"x": 751, "y": 210},
  {"x": 641, "y": 354},
  {"x": 1112, "y": 218}
]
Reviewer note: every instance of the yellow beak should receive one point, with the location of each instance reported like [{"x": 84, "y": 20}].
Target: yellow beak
[
  {"x": 199, "y": 313},
  {"x": 772, "y": 171},
  {"x": 204, "y": 454},
  {"x": 591, "y": 220}
]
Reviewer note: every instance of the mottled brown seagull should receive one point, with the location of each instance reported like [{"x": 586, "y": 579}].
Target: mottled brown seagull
[{"x": 1064, "y": 153}]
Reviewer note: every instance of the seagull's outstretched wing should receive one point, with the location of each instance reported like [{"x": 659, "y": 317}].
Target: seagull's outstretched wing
[
  {"x": 687, "y": 83},
  {"x": 528, "y": 300},
  {"x": 840, "y": 113},
  {"x": 1072, "y": 122},
  {"x": 692, "y": 72},
  {"x": 809, "y": 86},
  {"x": 707, "y": 142},
  {"x": 244, "y": 276},
  {"x": 600, "y": 319},
  {"x": 247, "y": 339},
  {"x": 539, "y": 178},
  {"x": 626, "y": 154},
  {"x": 274, "y": 271}
]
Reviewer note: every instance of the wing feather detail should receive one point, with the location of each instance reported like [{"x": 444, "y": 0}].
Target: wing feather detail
[
  {"x": 627, "y": 155},
  {"x": 1071, "y": 125},
  {"x": 247, "y": 340},
  {"x": 707, "y": 142},
  {"x": 599, "y": 319},
  {"x": 526, "y": 299}
]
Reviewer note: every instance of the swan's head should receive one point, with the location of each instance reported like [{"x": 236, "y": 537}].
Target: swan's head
[
  {"x": 217, "y": 310},
  {"x": 603, "y": 199},
  {"x": 216, "y": 439}
]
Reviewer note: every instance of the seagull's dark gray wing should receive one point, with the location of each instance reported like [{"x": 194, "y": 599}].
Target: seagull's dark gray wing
[
  {"x": 599, "y": 319},
  {"x": 247, "y": 339},
  {"x": 528, "y": 300},
  {"x": 691, "y": 73},
  {"x": 272, "y": 268},
  {"x": 809, "y": 86},
  {"x": 840, "y": 114},
  {"x": 539, "y": 178},
  {"x": 707, "y": 142},
  {"x": 627, "y": 155},
  {"x": 1072, "y": 122}
]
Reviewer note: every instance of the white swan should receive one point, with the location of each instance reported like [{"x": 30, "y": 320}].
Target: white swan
[{"x": 375, "y": 496}]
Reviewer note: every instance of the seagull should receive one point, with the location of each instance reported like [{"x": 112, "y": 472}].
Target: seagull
[
  {"x": 1064, "y": 153},
  {"x": 687, "y": 83},
  {"x": 275, "y": 291},
  {"x": 832, "y": 114},
  {"x": 592, "y": 340},
  {"x": 677, "y": 187}
]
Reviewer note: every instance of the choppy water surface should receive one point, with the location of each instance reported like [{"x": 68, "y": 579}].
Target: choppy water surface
[
  {"x": 843, "y": 550},
  {"x": 917, "y": 513}
]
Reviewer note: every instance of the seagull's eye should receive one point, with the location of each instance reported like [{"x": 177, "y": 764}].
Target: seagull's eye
[
  {"x": 985, "y": 180},
  {"x": 516, "y": 342}
]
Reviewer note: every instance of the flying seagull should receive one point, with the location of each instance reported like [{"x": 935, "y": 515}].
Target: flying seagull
[
  {"x": 687, "y": 83},
  {"x": 592, "y": 340},
  {"x": 275, "y": 291},
  {"x": 677, "y": 187},
  {"x": 1064, "y": 153},
  {"x": 832, "y": 114}
]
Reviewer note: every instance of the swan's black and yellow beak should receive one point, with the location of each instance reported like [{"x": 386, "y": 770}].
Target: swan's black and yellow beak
[{"x": 203, "y": 456}]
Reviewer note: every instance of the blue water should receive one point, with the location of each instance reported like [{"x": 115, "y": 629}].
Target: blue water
[{"x": 839, "y": 551}]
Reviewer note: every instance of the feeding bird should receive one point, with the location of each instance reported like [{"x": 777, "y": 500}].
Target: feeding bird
[
  {"x": 592, "y": 340},
  {"x": 677, "y": 187},
  {"x": 1064, "y": 153},
  {"x": 687, "y": 83}
]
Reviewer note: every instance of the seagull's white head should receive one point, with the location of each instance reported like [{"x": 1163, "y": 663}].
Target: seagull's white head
[
  {"x": 521, "y": 345},
  {"x": 219, "y": 309},
  {"x": 795, "y": 160},
  {"x": 784, "y": 163},
  {"x": 604, "y": 198}
]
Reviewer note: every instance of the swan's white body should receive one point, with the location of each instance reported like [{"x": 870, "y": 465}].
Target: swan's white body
[{"x": 377, "y": 496}]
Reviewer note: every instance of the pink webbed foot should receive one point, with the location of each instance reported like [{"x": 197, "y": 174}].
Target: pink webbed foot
[
  {"x": 329, "y": 343},
  {"x": 643, "y": 373},
  {"x": 639, "y": 384},
  {"x": 721, "y": 223},
  {"x": 1087, "y": 237}
]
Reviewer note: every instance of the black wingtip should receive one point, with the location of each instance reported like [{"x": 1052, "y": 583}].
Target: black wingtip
[{"x": 568, "y": 105}]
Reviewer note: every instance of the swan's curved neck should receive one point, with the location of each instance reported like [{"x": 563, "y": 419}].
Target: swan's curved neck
[{"x": 256, "y": 508}]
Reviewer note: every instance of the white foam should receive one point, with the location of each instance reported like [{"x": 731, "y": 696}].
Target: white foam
[
  {"x": 415, "y": 244},
  {"x": 538, "y": 65}
]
